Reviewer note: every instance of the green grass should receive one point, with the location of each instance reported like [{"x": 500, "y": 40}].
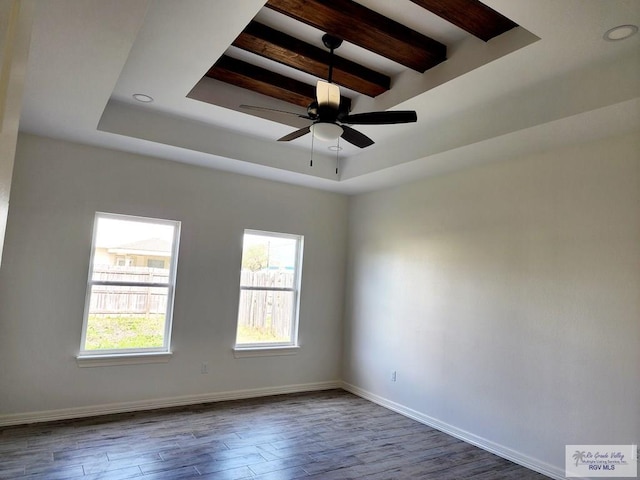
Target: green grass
[
  {"x": 114, "y": 332},
  {"x": 256, "y": 335},
  {"x": 124, "y": 331}
]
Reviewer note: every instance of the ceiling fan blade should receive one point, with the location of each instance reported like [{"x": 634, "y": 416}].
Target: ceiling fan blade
[
  {"x": 355, "y": 137},
  {"x": 381, "y": 118},
  {"x": 294, "y": 135},
  {"x": 328, "y": 94},
  {"x": 265, "y": 109}
]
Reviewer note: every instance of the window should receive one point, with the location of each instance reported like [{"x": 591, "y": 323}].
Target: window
[
  {"x": 155, "y": 263},
  {"x": 129, "y": 305},
  {"x": 269, "y": 290}
]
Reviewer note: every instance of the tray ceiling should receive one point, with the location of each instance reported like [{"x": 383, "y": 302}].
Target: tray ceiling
[
  {"x": 550, "y": 81},
  {"x": 355, "y": 24}
]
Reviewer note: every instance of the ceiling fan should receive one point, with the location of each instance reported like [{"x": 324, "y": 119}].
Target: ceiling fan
[{"x": 330, "y": 122}]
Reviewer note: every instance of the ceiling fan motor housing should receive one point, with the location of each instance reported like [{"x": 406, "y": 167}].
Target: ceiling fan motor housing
[{"x": 312, "y": 110}]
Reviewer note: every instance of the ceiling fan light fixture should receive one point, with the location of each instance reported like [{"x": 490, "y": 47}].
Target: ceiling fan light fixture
[{"x": 326, "y": 131}]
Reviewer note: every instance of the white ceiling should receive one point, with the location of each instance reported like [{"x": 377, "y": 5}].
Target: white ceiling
[{"x": 552, "y": 82}]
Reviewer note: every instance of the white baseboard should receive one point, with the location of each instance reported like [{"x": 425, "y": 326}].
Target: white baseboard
[
  {"x": 124, "y": 407},
  {"x": 497, "y": 449}
]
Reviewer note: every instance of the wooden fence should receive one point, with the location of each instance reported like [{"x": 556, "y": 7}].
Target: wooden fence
[
  {"x": 128, "y": 300},
  {"x": 267, "y": 311}
]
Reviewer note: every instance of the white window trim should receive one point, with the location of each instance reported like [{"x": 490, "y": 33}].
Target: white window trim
[
  {"x": 122, "y": 359},
  {"x": 134, "y": 355},
  {"x": 276, "y": 348},
  {"x": 265, "y": 351}
]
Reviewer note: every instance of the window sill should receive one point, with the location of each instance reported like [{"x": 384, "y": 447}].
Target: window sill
[
  {"x": 122, "y": 359},
  {"x": 247, "y": 352}
]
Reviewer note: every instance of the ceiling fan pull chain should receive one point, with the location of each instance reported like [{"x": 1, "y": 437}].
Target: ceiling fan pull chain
[
  {"x": 337, "y": 155},
  {"x": 311, "y": 162}
]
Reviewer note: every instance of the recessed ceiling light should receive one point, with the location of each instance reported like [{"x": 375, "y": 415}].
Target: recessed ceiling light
[
  {"x": 141, "y": 97},
  {"x": 335, "y": 148},
  {"x": 621, "y": 32}
]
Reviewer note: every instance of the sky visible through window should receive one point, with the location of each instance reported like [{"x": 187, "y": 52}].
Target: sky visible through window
[
  {"x": 113, "y": 232},
  {"x": 281, "y": 251}
]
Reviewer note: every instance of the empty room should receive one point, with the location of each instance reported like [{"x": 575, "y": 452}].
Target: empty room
[{"x": 321, "y": 239}]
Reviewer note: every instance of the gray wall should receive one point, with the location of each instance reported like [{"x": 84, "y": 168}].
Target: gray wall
[
  {"x": 507, "y": 298},
  {"x": 57, "y": 188},
  {"x": 15, "y": 36}
]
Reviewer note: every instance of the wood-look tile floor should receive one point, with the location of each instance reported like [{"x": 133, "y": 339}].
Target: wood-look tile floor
[{"x": 322, "y": 435}]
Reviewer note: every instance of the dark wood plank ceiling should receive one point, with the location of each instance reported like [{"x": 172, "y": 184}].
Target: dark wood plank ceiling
[
  {"x": 363, "y": 27},
  {"x": 280, "y": 47},
  {"x": 471, "y": 15},
  {"x": 245, "y": 75},
  {"x": 355, "y": 24}
]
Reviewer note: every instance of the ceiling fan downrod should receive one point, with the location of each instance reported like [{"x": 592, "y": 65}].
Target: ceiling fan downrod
[{"x": 331, "y": 43}]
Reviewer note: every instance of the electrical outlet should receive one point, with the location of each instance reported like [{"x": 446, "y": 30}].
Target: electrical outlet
[
  {"x": 394, "y": 376},
  {"x": 204, "y": 368}
]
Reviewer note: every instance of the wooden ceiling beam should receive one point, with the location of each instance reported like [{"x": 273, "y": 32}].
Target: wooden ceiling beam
[
  {"x": 280, "y": 47},
  {"x": 242, "y": 74},
  {"x": 471, "y": 15},
  {"x": 361, "y": 26}
]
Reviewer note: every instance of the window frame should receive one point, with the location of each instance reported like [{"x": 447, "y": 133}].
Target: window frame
[
  {"x": 277, "y": 348},
  {"x": 90, "y": 356}
]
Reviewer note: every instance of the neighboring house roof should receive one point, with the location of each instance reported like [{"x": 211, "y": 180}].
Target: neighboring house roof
[{"x": 149, "y": 246}]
